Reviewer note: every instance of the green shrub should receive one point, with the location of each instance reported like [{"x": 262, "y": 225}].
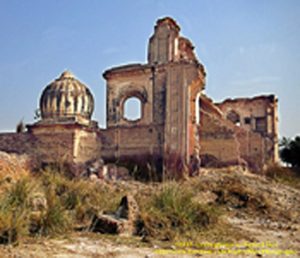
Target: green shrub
[
  {"x": 290, "y": 151},
  {"x": 172, "y": 211}
]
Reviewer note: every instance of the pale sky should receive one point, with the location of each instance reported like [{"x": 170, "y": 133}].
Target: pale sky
[{"x": 248, "y": 48}]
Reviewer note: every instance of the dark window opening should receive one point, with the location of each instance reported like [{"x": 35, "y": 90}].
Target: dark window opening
[
  {"x": 261, "y": 124},
  {"x": 247, "y": 120}
]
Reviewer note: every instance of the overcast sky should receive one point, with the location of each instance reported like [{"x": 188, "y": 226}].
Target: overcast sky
[{"x": 247, "y": 47}]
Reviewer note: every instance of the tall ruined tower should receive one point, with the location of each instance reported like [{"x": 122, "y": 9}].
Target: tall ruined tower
[
  {"x": 179, "y": 80},
  {"x": 168, "y": 88},
  {"x": 163, "y": 45}
]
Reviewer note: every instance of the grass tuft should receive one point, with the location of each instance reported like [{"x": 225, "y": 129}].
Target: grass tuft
[
  {"x": 14, "y": 206},
  {"x": 172, "y": 212},
  {"x": 284, "y": 175}
]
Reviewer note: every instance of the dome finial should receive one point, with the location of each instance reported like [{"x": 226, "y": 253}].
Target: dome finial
[{"x": 66, "y": 74}]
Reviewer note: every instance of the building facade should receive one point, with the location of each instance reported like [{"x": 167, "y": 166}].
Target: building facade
[{"x": 178, "y": 124}]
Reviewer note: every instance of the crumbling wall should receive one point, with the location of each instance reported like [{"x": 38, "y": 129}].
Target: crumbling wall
[
  {"x": 139, "y": 140},
  {"x": 259, "y": 116},
  {"x": 159, "y": 79},
  {"x": 19, "y": 143},
  {"x": 43, "y": 147},
  {"x": 218, "y": 142},
  {"x": 66, "y": 143},
  {"x": 163, "y": 44},
  {"x": 167, "y": 46},
  {"x": 225, "y": 140},
  {"x": 131, "y": 142},
  {"x": 180, "y": 77},
  {"x": 87, "y": 145},
  {"x": 186, "y": 50},
  {"x": 55, "y": 144},
  {"x": 126, "y": 82},
  {"x": 252, "y": 148}
]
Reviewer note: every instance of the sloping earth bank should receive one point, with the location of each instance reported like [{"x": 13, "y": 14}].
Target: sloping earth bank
[{"x": 262, "y": 215}]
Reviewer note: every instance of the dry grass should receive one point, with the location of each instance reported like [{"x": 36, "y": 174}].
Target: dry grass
[
  {"x": 50, "y": 204},
  {"x": 14, "y": 206},
  {"x": 284, "y": 175},
  {"x": 12, "y": 168},
  {"x": 170, "y": 213}
]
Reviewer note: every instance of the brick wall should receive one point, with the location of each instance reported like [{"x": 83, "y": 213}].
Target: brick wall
[
  {"x": 87, "y": 146},
  {"x": 17, "y": 142},
  {"x": 226, "y": 143},
  {"x": 131, "y": 141}
]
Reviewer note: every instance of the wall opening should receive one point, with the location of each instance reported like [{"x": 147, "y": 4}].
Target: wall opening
[
  {"x": 260, "y": 124},
  {"x": 247, "y": 120},
  {"x": 132, "y": 109},
  {"x": 234, "y": 117},
  {"x": 197, "y": 109}
]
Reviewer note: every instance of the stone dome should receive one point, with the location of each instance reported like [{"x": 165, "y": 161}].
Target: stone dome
[{"x": 66, "y": 99}]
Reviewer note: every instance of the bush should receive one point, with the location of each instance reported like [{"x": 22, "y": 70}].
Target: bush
[
  {"x": 172, "y": 211},
  {"x": 290, "y": 151}
]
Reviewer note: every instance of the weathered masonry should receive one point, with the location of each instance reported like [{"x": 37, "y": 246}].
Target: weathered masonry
[{"x": 178, "y": 124}]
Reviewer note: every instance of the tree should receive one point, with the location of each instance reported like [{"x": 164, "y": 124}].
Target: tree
[
  {"x": 20, "y": 128},
  {"x": 290, "y": 151}
]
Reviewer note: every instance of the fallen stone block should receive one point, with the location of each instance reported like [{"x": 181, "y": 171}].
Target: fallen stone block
[{"x": 122, "y": 221}]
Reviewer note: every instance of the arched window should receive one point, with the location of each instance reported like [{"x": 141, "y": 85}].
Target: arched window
[
  {"x": 132, "y": 109},
  {"x": 234, "y": 117}
]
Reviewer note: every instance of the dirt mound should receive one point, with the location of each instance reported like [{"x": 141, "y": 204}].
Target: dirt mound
[
  {"x": 261, "y": 208},
  {"x": 250, "y": 209},
  {"x": 251, "y": 194}
]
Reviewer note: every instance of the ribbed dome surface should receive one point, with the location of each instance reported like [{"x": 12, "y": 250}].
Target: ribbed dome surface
[{"x": 66, "y": 97}]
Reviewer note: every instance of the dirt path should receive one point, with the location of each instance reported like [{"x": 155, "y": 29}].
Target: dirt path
[{"x": 82, "y": 247}]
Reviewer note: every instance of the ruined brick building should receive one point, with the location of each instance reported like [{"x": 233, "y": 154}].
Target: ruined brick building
[{"x": 178, "y": 125}]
